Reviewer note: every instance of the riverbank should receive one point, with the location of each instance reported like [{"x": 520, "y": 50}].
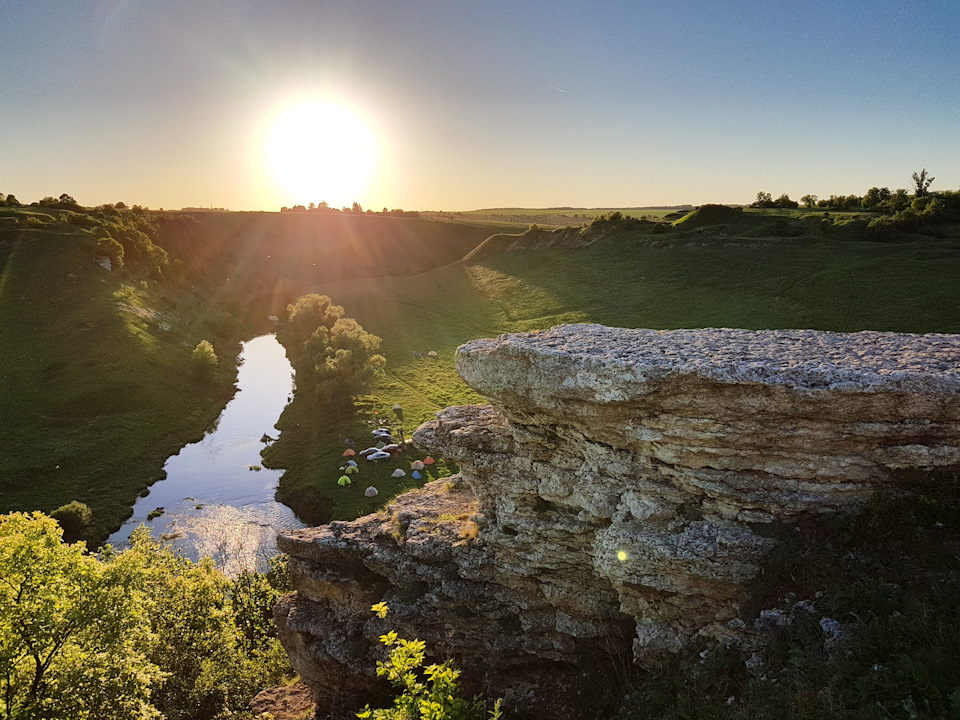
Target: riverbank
[
  {"x": 217, "y": 500},
  {"x": 96, "y": 388}
]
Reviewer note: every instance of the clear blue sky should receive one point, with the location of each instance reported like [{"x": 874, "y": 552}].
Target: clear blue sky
[{"x": 482, "y": 104}]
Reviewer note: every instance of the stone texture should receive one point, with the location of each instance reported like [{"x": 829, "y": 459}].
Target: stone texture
[{"x": 608, "y": 500}]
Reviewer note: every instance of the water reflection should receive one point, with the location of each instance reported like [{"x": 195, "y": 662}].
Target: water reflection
[{"x": 213, "y": 503}]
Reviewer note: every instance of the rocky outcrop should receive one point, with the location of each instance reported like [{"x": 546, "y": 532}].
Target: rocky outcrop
[{"x": 611, "y": 499}]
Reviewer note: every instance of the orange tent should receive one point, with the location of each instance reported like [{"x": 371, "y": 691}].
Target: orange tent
[{"x": 349, "y": 452}]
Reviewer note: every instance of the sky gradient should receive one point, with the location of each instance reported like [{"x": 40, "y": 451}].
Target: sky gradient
[{"x": 481, "y": 104}]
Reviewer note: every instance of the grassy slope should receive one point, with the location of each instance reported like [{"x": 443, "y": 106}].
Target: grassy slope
[
  {"x": 661, "y": 281},
  {"x": 92, "y": 394}
]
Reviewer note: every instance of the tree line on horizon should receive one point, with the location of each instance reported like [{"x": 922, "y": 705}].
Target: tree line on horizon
[
  {"x": 355, "y": 209},
  {"x": 876, "y": 199}
]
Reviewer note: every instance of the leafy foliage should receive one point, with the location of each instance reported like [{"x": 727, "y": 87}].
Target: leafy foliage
[
  {"x": 922, "y": 183},
  {"x": 204, "y": 361},
  {"x": 333, "y": 355},
  {"x": 344, "y": 359},
  {"x": 74, "y": 635},
  {"x": 74, "y": 518},
  {"x": 430, "y": 693},
  {"x": 132, "y": 635}
]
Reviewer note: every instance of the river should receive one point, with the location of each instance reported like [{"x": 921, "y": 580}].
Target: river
[{"x": 215, "y": 501}]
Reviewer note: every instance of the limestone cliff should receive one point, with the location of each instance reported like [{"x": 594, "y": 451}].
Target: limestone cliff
[{"x": 610, "y": 498}]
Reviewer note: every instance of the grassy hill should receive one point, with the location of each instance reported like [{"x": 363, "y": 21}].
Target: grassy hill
[{"x": 94, "y": 392}]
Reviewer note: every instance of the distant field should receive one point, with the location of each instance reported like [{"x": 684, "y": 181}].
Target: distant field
[{"x": 560, "y": 217}]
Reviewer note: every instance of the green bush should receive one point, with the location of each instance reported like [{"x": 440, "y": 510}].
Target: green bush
[
  {"x": 135, "y": 635},
  {"x": 204, "y": 361},
  {"x": 435, "y": 696},
  {"x": 74, "y": 634},
  {"x": 108, "y": 247},
  {"x": 74, "y": 518}
]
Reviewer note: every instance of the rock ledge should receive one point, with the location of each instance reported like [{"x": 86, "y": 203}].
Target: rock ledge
[{"x": 609, "y": 500}]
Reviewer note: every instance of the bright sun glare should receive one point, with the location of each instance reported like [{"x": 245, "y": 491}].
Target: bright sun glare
[{"x": 321, "y": 151}]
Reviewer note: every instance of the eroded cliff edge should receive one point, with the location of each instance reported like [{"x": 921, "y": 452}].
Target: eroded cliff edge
[{"x": 612, "y": 498}]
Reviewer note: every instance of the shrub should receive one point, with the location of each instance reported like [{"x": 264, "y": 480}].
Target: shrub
[
  {"x": 108, "y": 247},
  {"x": 436, "y": 697},
  {"x": 204, "y": 361},
  {"x": 74, "y": 518},
  {"x": 33, "y": 222}
]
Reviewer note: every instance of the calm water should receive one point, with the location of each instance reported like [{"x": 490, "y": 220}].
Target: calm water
[{"x": 237, "y": 518}]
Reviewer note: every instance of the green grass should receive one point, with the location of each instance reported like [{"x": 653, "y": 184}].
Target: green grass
[
  {"x": 92, "y": 391},
  {"x": 890, "y": 578},
  {"x": 93, "y": 396}
]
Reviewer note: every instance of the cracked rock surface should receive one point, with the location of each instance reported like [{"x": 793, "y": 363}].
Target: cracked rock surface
[{"x": 610, "y": 499}]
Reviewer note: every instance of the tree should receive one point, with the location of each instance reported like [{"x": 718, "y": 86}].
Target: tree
[
  {"x": 12, "y": 200},
  {"x": 108, "y": 247},
  {"x": 784, "y": 201},
  {"x": 875, "y": 196},
  {"x": 304, "y": 317},
  {"x": 900, "y": 200},
  {"x": 343, "y": 358},
  {"x": 66, "y": 201},
  {"x": 764, "y": 200},
  {"x": 73, "y": 632},
  {"x": 809, "y": 201},
  {"x": 209, "y": 672},
  {"x": 204, "y": 361},
  {"x": 356, "y": 209},
  {"x": 922, "y": 183}
]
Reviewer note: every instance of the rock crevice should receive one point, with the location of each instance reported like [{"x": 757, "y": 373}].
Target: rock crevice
[{"x": 609, "y": 498}]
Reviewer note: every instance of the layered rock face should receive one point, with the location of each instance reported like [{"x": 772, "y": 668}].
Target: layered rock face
[{"x": 610, "y": 499}]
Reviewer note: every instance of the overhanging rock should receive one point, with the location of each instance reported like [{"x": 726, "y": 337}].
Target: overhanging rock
[{"x": 609, "y": 498}]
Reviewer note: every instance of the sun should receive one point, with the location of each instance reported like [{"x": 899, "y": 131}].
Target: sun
[{"x": 320, "y": 151}]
